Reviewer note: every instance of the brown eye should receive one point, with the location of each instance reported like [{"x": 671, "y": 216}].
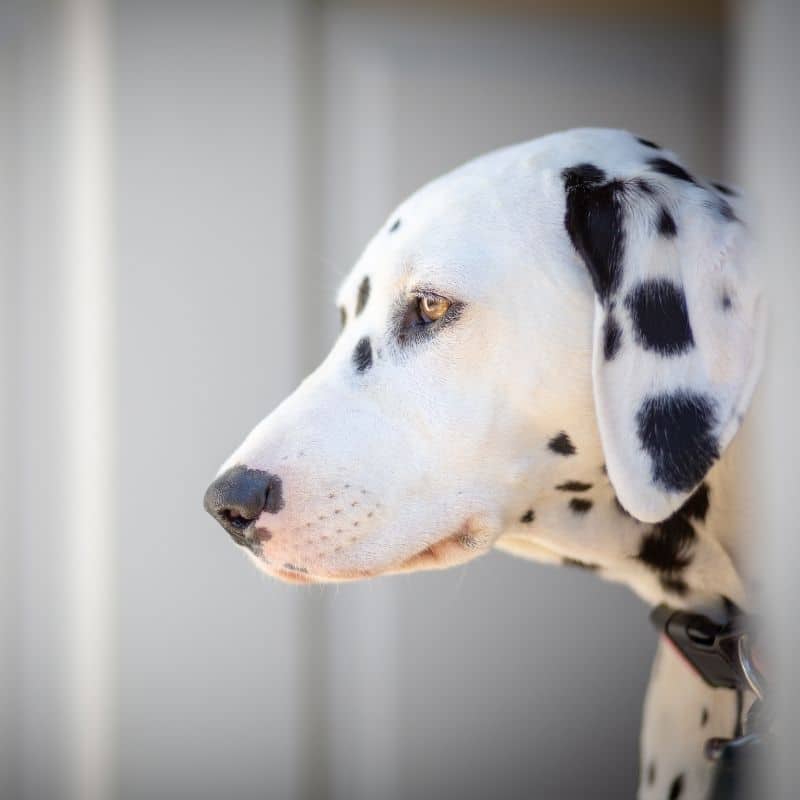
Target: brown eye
[{"x": 432, "y": 307}]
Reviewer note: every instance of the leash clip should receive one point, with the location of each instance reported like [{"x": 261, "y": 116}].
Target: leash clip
[{"x": 723, "y": 656}]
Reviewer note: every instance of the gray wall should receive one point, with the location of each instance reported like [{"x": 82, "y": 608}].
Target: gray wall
[
  {"x": 255, "y": 148},
  {"x": 211, "y": 685},
  {"x": 767, "y": 128},
  {"x": 33, "y": 551}
]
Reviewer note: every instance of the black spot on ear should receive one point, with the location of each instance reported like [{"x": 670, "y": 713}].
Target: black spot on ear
[
  {"x": 612, "y": 337},
  {"x": 580, "y": 505},
  {"x": 660, "y": 317},
  {"x": 647, "y": 143},
  {"x": 666, "y": 224},
  {"x": 528, "y": 516},
  {"x": 676, "y": 432},
  {"x": 574, "y": 562},
  {"x": 670, "y": 168},
  {"x": 676, "y": 586},
  {"x": 721, "y": 187},
  {"x": 362, "y": 355},
  {"x": 562, "y": 444},
  {"x": 574, "y": 486},
  {"x": 696, "y": 507},
  {"x": 395, "y": 225},
  {"x": 704, "y": 718},
  {"x": 363, "y": 295},
  {"x": 676, "y": 788},
  {"x": 667, "y": 547},
  {"x": 342, "y": 316},
  {"x": 593, "y": 220},
  {"x": 651, "y": 773},
  {"x": 582, "y": 174}
]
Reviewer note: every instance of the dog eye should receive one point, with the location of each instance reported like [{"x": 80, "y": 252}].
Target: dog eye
[{"x": 431, "y": 307}]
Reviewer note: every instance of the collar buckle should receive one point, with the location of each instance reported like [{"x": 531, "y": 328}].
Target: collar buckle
[
  {"x": 724, "y": 657},
  {"x": 721, "y": 654}
]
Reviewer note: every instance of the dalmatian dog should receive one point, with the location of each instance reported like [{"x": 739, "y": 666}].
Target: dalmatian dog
[{"x": 547, "y": 351}]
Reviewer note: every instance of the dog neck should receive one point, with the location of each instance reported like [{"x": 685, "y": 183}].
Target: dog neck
[{"x": 570, "y": 515}]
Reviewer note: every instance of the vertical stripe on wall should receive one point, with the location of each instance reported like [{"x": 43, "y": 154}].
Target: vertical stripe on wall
[{"x": 88, "y": 343}]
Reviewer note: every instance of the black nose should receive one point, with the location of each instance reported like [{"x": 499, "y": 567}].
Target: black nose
[{"x": 238, "y": 496}]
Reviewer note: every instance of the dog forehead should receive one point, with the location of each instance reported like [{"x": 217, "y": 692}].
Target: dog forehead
[
  {"x": 434, "y": 240},
  {"x": 484, "y": 216}
]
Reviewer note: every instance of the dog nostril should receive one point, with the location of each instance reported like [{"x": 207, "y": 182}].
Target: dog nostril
[
  {"x": 234, "y": 519},
  {"x": 238, "y": 497}
]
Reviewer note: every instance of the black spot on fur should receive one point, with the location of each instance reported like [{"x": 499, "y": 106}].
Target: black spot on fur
[
  {"x": 676, "y": 586},
  {"x": 528, "y": 516},
  {"x": 666, "y": 224},
  {"x": 342, "y": 316},
  {"x": 726, "y": 210},
  {"x": 593, "y": 220},
  {"x": 643, "y": 186},
  {"x": 562, "y": 444},
  {"x": 696, "y": 507},
  {"x": 651, "y": 773},
  {"x": 721, "y": 187},
  {"x": 612, "y": 337},
  {"x": 676, "y": 788},
  {"x": 362, "y": 355},
  {"x": 667, "y": 547},
  {"x": 585, "y": 173},
  {"x": 363, "y": 295},
  {"x": 647, "y": 143},
  {"x": 395, "y": 225},
  {"x": 676, "y": 432},
  {"x": 670, "y": 168},
  {"x": 574, "y": 486},
  {"x": 726, "y": 302},
  {"x": 580, "y": 505},
  {"x": 704, "y": 718},
  {"x": 574, "y": 562},
  {"x": 660, "y": 317}
]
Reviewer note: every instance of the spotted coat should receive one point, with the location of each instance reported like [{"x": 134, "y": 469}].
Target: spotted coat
[{"x": 547, "y": 351}]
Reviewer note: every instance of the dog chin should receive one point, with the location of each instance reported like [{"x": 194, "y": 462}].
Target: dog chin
[{"x": 448, "y": 552}]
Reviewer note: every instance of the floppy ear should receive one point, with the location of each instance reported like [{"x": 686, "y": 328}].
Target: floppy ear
[{"x": 678, "y": 329}]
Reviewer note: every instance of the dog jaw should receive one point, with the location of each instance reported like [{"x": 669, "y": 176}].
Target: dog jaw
[{"x": 470, "y": 540}]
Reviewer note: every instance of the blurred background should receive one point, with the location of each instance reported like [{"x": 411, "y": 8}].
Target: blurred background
[{"x": 182, "y": 185}]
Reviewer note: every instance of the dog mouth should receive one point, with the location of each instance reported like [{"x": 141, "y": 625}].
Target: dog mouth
[
  {"x": 454, "y": 549},
  {"x": 450, "y": 551},
  {"x": 469, "y": 541},
  {"x": 290, "y": 573}
]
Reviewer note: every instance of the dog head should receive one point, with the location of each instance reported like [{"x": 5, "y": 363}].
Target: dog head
[{"x": 584, "y": 281}]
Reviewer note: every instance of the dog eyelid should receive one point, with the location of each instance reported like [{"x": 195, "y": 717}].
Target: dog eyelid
[
  {"x": 430, "y": 292},
  {"x": 423, "y": 312}
]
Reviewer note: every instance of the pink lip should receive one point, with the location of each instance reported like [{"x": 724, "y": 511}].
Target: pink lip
[{"x": 467, "y": 539}]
